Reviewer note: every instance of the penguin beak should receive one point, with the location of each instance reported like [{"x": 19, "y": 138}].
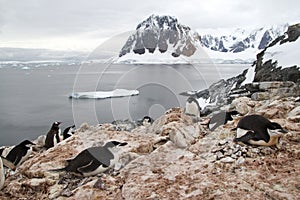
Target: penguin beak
[
  {"x": 283, "y": 131},
  {"x": 123, "y": 144}
]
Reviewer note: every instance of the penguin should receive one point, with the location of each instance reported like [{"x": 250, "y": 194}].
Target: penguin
[
  {"x": 221, "y": 118},
  {"x": 94, "y": 160},
  {"x": 147, "y": 121},
  {"x": 53, "y": 136},
  {"x": 257, "y": 130},
  {"x": 192, "y": 108},
  {"x": 68, "y": 132},
  {"x": 20, "y": 152},
  {"x": 2, "y": 174},
  {"x": 5, "y": 150}
]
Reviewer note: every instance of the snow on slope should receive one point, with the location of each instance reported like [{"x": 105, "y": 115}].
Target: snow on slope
[{"x": 286, "y": 55}]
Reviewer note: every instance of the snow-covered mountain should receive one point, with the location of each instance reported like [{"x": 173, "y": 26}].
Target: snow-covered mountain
[
  {"x": 162, "y": 37},
  {"x": 239, "y": 40},
  {"x": 278, "y": 62},
  {"x": 238, "y": 45}
]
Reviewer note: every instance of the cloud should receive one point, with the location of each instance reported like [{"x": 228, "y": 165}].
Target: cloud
[{"x": 34, "y": 19}]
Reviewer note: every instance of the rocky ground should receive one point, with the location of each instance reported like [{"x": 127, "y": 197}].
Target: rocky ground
[{"x": 173, "y": 158}]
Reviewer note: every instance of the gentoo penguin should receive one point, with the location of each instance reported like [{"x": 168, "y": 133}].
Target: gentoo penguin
[
  {"x": 94, "y": 160},
  {"x": 20, "y": 152},
  {"x": 221, "y": 118},
  {"x": 2, "y": 174},
  {"x": 192, "y": 108},
  {"x": 52, "y": 137},
  {"x": 68, "y": 132},
  {"x": 257, "y": 130}
]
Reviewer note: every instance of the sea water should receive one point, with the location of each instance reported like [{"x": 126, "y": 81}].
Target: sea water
[{"x": 32, "y": 98}]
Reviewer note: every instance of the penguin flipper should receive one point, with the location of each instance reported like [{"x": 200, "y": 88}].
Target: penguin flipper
[
  {"x": 91, "y": 166},
  {"x": 8, "y": 163},
  {"x": 245, "y": 138}
]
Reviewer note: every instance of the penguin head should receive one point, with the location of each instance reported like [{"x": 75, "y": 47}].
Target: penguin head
[
  {"x": 147, "y": 119},
  {"x": 27, "y": 143},
  {"x": 112, "y": 144},
  {"x": 56, "y": 124},
  {"x": 276, "y": 130}
]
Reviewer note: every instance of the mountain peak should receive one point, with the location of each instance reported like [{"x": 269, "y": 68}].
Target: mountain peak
[
  {"x": 162, "y": 34},
  {"x": 163, "y": 21}
]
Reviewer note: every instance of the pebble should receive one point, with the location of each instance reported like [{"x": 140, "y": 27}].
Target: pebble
[{"x": 227, "y": 160}]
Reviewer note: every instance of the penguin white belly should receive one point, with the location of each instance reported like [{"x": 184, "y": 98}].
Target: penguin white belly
[
  {"x": 192, "y": 109},
  {"x": 241, "y": 132},
  {"x": 101, "y": 169},
  {"x": 272, "y": 141},
  {"x": 55, "y": 142},
  {"x": 25, "y": 157},
  {"x": 2, "y": 175}
]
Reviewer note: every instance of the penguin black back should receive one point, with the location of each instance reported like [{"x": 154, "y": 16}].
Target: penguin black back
[
  {"x": 18, "y": 152},
  {"x": 53, "y": 135},
  {"x": 256, "y": 129},
  {"x": 68, "y": 132}
]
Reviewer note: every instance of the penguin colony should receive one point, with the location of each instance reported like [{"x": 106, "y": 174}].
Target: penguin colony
[
  {"x": 89, "y": 162},
  {"x": 251, "y": 129}
]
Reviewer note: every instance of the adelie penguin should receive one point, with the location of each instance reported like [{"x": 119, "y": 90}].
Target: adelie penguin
[
  {"x": 53, "y": 136},
  {"x": 192, "y": 108},
  {"x": 19, "y": 153},
  {"x": 221, "y": 118},
  {"x": 94, "y": 160},
  {"x": 257, "y": 130},
  {"x": 68, "y": 132}
]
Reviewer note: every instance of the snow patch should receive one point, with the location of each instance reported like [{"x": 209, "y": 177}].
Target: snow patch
[
  {"x": 286, "y": 55},
  {"x": 249, "y": 76},
  {"x": 104, "y": 94}
]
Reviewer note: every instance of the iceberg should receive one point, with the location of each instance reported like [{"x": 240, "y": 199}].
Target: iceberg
[{"x": 104, "y": 94}]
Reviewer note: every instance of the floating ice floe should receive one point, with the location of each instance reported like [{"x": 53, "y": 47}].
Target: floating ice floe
[{"x": 104, "y": 94}]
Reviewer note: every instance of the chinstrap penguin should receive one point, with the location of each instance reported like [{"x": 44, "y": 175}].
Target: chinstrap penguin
[
  {"x": 20, "y": 152},
  {"x": 192, "y": 108},
  {"x": 94, "y": 160},
  {"x": 147, "y": 121},
  {"x": 53, "y": 136},
  {"x": 221, "y": 118},
  {"x": 68, "y": 132},
  {"x": 257, "y": 130},
  {"x": 2, "y": 174}
]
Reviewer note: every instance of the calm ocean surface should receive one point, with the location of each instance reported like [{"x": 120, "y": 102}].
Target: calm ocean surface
[{"x": 32, "y": 99}]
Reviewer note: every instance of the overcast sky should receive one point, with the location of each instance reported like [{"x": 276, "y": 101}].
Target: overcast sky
[{"x": 84, "y": 24}]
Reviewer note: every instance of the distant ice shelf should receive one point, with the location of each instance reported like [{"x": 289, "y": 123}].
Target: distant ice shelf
[{"x": 104, "y": 94}]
